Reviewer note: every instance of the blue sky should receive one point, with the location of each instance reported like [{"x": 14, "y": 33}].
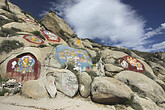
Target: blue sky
[{"x": 134, "y": 24}]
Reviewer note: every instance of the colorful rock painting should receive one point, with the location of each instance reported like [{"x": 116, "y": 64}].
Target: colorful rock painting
[
  {"x": 132, "y": 64},
  {"x": 24, "y": 68},
  {"x": 79, "y": 42},
  {"x": 80, "y": 58},
  {"x": 50, "y": 36},
  {"x": 28, "y": 20},
  {"x": 33, "y": 39}
]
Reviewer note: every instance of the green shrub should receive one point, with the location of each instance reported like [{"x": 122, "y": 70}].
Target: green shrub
[
  {"x": 2, "y": 79},
  {"x": 92, "y": 74},
  {"x": 6, "y": 31},
  {"x": 9, "y": 45},
  {"x": 96, "y": 58},
  {"x": 42, "y": 45},
  {"x": 3, "y": 92},
  {"x": 70, "y": 66},
  {"x": 54, "y": 45},
  {"x": 37, "y": 33}
]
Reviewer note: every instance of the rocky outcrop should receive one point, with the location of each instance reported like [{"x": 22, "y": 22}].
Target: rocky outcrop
[
  {"x": 25, "y": 27},
  {"x": 34, "y": 89},
  {"x": 84, "y": 84},
  {"x": 109, "y": 91},
  {"x": 50, "y": 86},
  {"x": 144, "y": 104},
  {"x": 65, "y": 81},
  {"x": 112, "y": 68},
  {"x": 57, "y": 25},
  {"x": 142, "y": 85}
]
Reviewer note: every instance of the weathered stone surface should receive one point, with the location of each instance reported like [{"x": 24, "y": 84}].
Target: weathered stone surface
[
  {"x": 3, "y": 4},
  {"x": 160, "y": 69},
  {"x": 87, "y": 44},
  {"x": 149, "y": 72},
  {"x": 56, "y": 24},
  {"x": 34, "y": 89},
  {"x": 92, "y": 53},
  {"x": 142, "y": 85},
  {"x": 73, "y": 42},
  {"x": 161, "y": 83},
  {"x": 50, "y": 86},
  {"x": 113, "y": 54},
  {"x": 144, "y": 104},
  {"x": 16, "y": 10},
  {"x": 112, "y": 68},
  {"x": 25, "y": 27},
  {"x": 109, "y": 60},
  {"x": 66, "y": 81},
  {"x": 84, "y": 84},
  {"x": 109, "y": 91}
]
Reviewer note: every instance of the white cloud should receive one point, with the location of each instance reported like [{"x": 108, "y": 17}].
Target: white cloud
[
  {"x": 103, "y": 19},
  {"x": 159, "y": 46},
  {"x": 155, "y": 32},
  {"x": 113, "y": 22}
]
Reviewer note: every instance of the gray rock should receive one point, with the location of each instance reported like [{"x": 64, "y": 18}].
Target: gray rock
[
  {"x": 148, "y": 70},
  {"x": 25, "y": 27},
  {"x": 144, "y": 86},
  {"x": 112, "y": 68},
  {"x": 57, "y": 25},
  {"x": 66, "y": 81},
  {"x": 161, "y": 83},
  {"x": 144, "y": 104},
  {"x": 50, "y": 86},
  {"x": 87, "y": 44},
  {"x": 112, "y": 54},
  {"x": 84, "y": 84},
  {"x": 34, "y": 89},
  {"x": 109, "y": 91}
]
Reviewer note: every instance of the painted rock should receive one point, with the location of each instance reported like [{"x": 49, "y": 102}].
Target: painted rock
[
  {"x": 50, "y": 36},
  {"x": 130, "y": 63},
  {"x": 28, "y": 20},
  {"x": 80, "y": 58},
  {"x": 23, "y": 68},
  {"x": 33, "y": 39}
]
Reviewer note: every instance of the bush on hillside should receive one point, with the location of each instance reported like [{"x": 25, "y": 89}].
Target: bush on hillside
[
  {"x": 9, "y": 45},
  {"x": 37, "y": 33},
  {"x": 8, "y": 32}
]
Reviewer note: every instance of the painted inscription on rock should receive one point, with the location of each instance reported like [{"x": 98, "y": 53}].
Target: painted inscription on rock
[
  {"x": 80, "y": 58},
  {"x": 23, "y": 68},
  {"x": 28, "y": 20},
  {"x": 33, "y": 39},
  {"x": 50, "y": 36},
  {"x": 130, "y": 63}
]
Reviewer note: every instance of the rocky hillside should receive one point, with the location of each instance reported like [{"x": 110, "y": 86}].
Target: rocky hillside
[{"x": 44, "y": 57}]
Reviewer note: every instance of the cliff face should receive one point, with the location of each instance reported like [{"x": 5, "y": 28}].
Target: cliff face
[
  {"x": 29, "y": 51},
  {"x": 57, "y": 25}
]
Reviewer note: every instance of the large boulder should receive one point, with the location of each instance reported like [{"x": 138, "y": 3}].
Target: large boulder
[
  {"x": 25, "y": 27},
  {"x": 112, "y": 54},
  {"x": 79, "y": 58},
  {"x": 84, "y": 84},
  {"x": 144, "y": 104},
  {"x": 148, "y": 70},
  {"x": 109, "y": 91},
  {"x": 112, "y": 68},
  {"x": 65, "y": 81},
  {"x": 57, "y": 25},
  {"x": 3, "y": 4},
  {"x": 50, "y": 86},
  {"x": 142, "y": 85},
  {"x": 34, "y": 89}
]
